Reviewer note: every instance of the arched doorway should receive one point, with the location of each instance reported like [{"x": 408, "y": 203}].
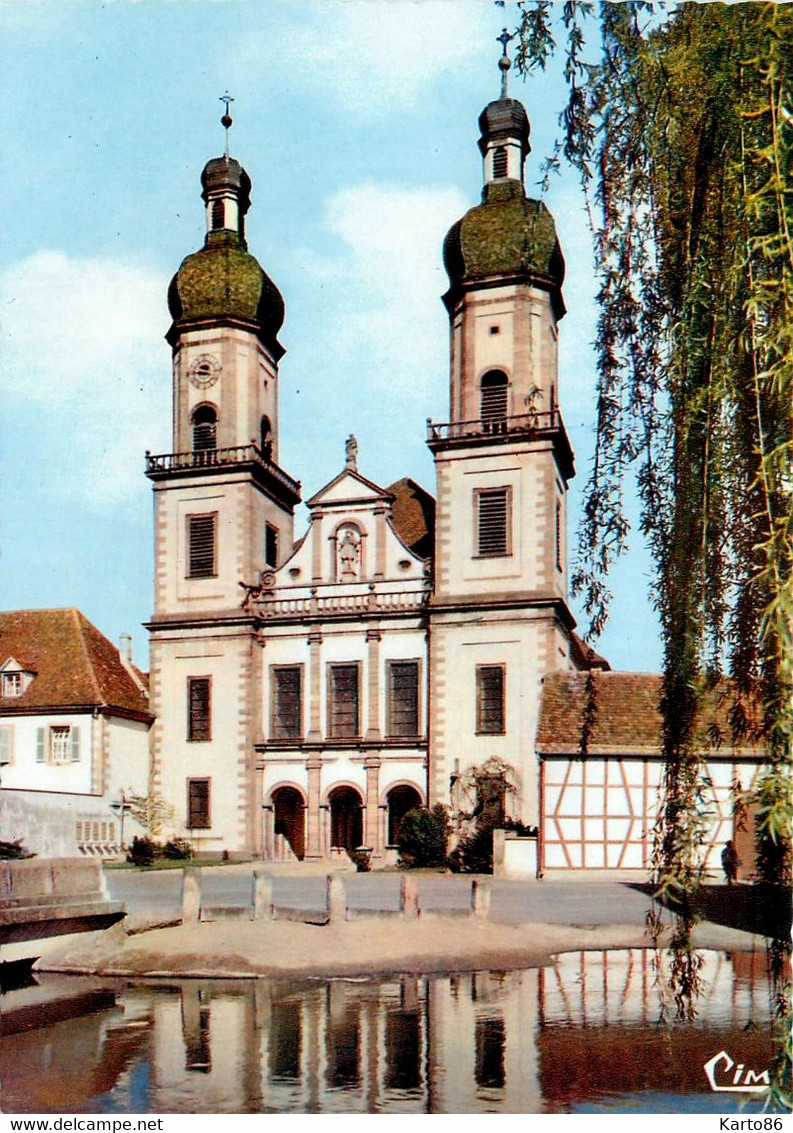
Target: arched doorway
[
  {"x": 400, "y": 800},
  {"x": 346, "y": 818},
  {"x": 289, "y": 818}
]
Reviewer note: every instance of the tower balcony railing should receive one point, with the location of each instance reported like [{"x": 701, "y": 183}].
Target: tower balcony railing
[
  {"x": 163, "y": 464},
  {"x": 521, "y": 424}
]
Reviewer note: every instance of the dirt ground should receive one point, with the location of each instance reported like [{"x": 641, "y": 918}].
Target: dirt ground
[{"x": 242, "y": 948}]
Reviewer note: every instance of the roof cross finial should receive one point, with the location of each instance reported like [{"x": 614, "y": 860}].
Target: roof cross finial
[
  {"x": 227, "y": 120},
  {"x": 504, "y": 63}
]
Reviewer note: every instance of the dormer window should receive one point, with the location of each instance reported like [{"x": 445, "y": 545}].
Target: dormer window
[
  {"x": 14, "y": 680},
  {"x": 12, "y": 684}
]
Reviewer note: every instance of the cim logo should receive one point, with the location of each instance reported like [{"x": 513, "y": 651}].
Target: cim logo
[{"x": 742, "y": 1081}]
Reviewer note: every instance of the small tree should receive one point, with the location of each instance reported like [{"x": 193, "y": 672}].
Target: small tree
[{"x": 422, "y": 837}]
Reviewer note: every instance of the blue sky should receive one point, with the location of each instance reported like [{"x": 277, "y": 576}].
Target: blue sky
[{"x": 357, "y": 122}]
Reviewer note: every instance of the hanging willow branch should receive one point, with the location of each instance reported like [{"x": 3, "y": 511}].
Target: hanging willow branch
[{"x": 683, "y": 137}]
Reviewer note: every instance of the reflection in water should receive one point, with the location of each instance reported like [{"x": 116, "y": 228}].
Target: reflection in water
[{"x": 583, "y": 1032}]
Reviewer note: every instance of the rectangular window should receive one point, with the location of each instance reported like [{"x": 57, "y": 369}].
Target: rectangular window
[
  {"x": 490, "y": 700},
  {"x": 198, "y": 804},
  {"x": 285, "y": 715},
  {"x": 6, "y": 744},
  {"x": 403, "y": 698},
  {"x": 12, "y": 684},
  {"x": 202, "y": 545},
  {"x": 199, "y": 709},
  {"x": 343, "y": 697},
  {"x": 270, "y": 545},
  {"x": 493, "y": 521},
  {"x": 60, "y": 744}
]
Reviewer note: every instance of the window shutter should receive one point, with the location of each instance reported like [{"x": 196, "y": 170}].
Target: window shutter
[
  {"x": 5, "y": 745},
  {"x": 201, "y": 551},
  {"x": 403, "y": 703},
  {"x": 40, "y": 745},
  {"x": 286, "y": 715},
  {"x": 490, "y": 700},
  {"x": 75, "y": 745},
  {"x": 344, "y": 701},
  {"x": 199, "y": 708},
  {"x": 198, "y": 804},
  {"x": 492, "y": 522},
  {"x": 270, "y": 545}
]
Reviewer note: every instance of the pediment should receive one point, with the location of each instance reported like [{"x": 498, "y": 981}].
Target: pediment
[{"x": 349, "y": 487}]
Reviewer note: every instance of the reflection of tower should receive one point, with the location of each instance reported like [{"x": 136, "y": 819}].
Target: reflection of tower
[
  {"x": 223, "y": 514},
  {"x": 498, "y": 617}
]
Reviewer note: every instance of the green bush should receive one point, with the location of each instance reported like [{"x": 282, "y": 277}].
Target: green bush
[
  {"x": 177, "y": 849},
  {"x": 475, "y": 853},
  {"x": 422, "y": 837},
  {"x": 142, "y": 851}
]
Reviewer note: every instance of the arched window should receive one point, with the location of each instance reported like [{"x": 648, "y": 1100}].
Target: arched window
[
  {"x": 266, "y": 438},
  {"x": 205, "y": 428},
  {"x": 500, "y": 162},
  {"x": 218, "y": 215},
  {"x": 494, "y": 393}
]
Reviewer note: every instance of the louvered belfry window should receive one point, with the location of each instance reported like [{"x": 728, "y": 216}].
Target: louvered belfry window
[
  {"x": 199, "y": 709},
  {"x": 285, "y": 716},
  {"x": 201, "y": 530},
  {"x": 500, "y": 162},
  {"x": 493, "y": 401},
  {"x": 343, "y": 713},
  {"x": 403, "y": 698},
  {"x": 198, "y": 817},
  {"x": 490, "y": 700},
  {"x": 205, "y": 428},
  {"x": 493, "y": 535}
]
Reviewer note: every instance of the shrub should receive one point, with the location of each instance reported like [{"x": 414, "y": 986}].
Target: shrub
[
  {"x": 475, "y": 853},
  {"x": 177, "y": 849},
  {"x": 142, "y": 851},
  {"x": 422, "y": 837}
]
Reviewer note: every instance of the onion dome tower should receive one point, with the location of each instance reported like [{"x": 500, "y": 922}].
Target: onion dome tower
[
  {"x": 224, "y": 517},
  {"x": 499, "y": 617}
]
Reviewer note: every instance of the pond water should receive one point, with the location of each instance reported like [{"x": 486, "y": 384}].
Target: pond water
[{"x": 580, "y": 1035}]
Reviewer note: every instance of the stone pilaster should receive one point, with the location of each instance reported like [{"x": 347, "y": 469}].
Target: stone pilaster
[
  {"x": 313, "y": 829},
  {"x": 373, "y": 684},
  {"x": 371, "y": 814},
  {"x": 315, "y": 685}
]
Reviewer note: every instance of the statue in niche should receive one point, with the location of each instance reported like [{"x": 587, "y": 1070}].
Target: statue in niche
[{"x": 349, "y": 555}]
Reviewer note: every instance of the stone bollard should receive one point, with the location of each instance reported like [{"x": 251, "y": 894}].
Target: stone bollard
[
  {"x": 262, "y": 895},
  {"x": 191, "y": 896},
  {"x": 480, "y": 898},
  {"x": 337, "y": 898},
  {"x": 408, "y": 897}
]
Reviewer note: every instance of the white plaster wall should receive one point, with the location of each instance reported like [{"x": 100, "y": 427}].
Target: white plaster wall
[
  {"x": 223, "y": 658},
  {"x": 128, "y": 762},
  {"x": 25, "y": 773}
]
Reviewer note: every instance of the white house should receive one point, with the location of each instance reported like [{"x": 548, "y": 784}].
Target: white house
[{"x": 74, "y": 734}]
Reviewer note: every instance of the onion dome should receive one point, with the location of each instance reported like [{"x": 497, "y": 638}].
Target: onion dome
[
  {"x": 223, "y": 282},
  {"x": 508, "y": 234}
]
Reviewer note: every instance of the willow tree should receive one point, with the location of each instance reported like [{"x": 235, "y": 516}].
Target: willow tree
[{"x": 682, "y": 131}]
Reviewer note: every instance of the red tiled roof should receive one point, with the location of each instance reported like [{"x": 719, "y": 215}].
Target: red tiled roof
[
  {"x": 413, "y": 516},
  {"x": 584, "y": 656},
  {"x": 627, "y": 717},
  {"x": 75, "y": 665}
]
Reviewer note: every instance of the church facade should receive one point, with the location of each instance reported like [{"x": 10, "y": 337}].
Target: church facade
[{"x": 311, "y": 688}]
